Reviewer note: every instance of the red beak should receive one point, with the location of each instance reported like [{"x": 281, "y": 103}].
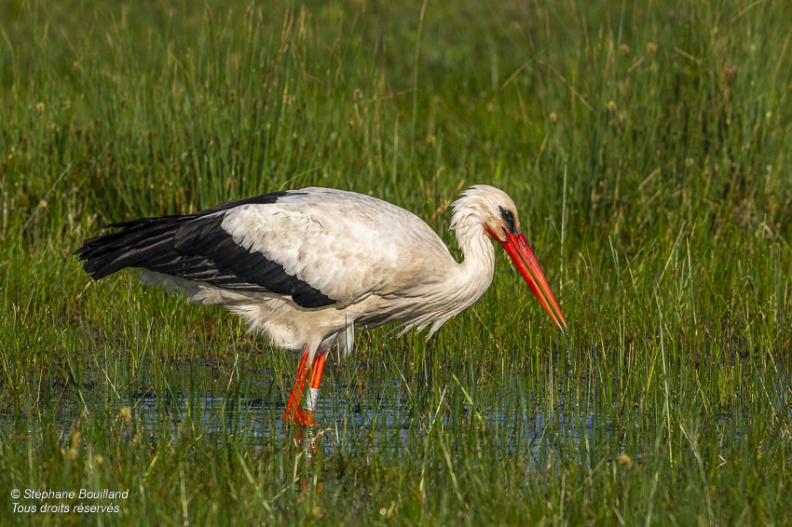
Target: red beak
[{"x": 523, "y": 257}]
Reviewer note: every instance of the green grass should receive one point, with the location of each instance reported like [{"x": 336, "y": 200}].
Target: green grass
[{"x": 647, "y": 145}]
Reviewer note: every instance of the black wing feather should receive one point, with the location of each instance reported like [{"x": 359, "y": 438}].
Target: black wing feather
[{"x": 196, "y": 247}]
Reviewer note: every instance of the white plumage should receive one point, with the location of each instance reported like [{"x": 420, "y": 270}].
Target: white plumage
[{"x": 306, "y": 266}]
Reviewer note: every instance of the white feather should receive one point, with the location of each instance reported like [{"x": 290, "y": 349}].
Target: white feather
[{"x": 382, "y": 263}]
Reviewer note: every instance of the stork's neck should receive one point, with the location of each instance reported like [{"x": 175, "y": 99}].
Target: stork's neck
[{"x": 478, "y": 265}]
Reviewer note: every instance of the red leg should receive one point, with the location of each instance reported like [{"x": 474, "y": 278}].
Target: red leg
[
  {"x": 295, "y": 398},
  {"x": 306, "y": 416}
]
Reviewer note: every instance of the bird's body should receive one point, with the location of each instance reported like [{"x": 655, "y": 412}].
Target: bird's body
[{"x": 306, "y": 266}]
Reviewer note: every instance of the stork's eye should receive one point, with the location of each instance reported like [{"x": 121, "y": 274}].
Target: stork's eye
[{"x": 508, "y": 217}]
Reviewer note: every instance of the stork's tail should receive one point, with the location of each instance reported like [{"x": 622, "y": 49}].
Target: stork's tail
[
  {"x": 152, "y": 243},
  {"x": 146, "y": 242}
]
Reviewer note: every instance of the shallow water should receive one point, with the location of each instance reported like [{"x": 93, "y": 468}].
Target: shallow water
[{"x": 356, "y": 405}]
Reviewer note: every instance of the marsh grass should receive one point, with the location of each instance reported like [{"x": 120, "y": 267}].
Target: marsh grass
[{"x": 647, "y": 147}]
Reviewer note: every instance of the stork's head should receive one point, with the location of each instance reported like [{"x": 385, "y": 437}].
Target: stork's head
[{"x": 494, "y": 211}]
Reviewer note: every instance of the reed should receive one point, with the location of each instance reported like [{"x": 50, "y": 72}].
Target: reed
[{"x": 646, "y": 145}]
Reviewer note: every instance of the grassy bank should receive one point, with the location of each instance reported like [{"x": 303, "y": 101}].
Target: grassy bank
[{"x": 647, "y": 148}]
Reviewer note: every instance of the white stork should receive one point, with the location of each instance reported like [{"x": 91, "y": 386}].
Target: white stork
[{"x": 306, "y": 266}]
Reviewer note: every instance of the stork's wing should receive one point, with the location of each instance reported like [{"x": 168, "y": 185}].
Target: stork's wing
[
  {"x": 318, "y": 246},
  {"x": 196, "y": 247}
]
